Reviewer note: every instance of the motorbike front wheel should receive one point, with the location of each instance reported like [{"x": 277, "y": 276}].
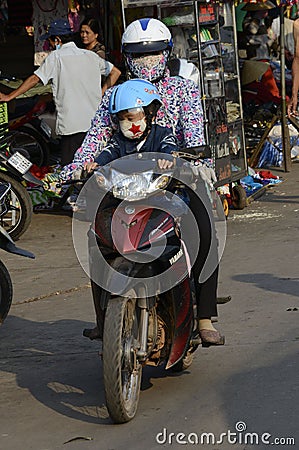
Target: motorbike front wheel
[
  {"x": 18, "y": 208},
  {"x": 122, "y": 371},
  {"x": 5, "y": 292}
]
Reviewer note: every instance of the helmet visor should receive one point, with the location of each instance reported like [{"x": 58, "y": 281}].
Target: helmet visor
[{"x": 145, "y": 47}]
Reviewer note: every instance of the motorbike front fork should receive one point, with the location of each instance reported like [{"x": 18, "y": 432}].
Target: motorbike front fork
[{"x": 143, "y": 329}]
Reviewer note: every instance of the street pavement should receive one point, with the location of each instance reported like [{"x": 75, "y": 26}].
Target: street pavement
[{"x": 52, "y": 394}]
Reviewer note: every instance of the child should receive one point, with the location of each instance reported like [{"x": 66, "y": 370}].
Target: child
[{"x": 133, "y": 107}]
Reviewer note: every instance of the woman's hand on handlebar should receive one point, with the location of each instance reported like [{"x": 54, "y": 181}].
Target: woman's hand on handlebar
[{"x": 90, "y": 166}]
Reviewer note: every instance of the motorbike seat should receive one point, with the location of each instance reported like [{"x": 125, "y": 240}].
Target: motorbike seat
[{"x": 21, "y": 106}]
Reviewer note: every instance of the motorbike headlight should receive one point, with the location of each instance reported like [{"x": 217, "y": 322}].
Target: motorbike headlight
[
  {"x": 138, "y": 186},
  {"x": 132, "y": 188}
]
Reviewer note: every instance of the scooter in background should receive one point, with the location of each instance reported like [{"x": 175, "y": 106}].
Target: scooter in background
[
  {"x": 7, "y": 244},
  {"x": 16, "y": 206},
  {"x": 31, "y": 121}
]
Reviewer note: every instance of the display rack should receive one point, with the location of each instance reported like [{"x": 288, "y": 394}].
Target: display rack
[{"x": 205, "y": 34}]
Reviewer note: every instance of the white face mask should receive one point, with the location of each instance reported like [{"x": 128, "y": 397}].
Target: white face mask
[{"x": 132, "y": 130}]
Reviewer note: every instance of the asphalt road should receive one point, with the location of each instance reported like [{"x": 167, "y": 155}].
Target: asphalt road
[{"x": 51, "y": 377}]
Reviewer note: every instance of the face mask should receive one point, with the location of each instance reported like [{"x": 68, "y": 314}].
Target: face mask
[
  {"x": 132, "y": 130},
  {"x": 148, "y": 67},
  {"x": 57, "y": 46}
]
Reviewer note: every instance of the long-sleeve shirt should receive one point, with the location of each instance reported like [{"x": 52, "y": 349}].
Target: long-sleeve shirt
[
  {"x": 181, "y": 112},
  {"x": 159, "y": 140}
]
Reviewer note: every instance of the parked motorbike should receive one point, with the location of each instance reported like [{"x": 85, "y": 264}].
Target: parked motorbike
[
  {"x": 145, "y": 322},
  {"x": 7, "y": 244},
  {"x": 32, "y": 123},
  {"x": 15, "y": 169}
]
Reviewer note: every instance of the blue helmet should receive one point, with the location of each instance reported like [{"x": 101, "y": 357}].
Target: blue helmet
[{"x": 134, "y": 93}]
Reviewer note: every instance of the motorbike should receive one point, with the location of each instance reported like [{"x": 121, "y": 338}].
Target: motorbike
[
  {"x": 149, "y": 313},
  {"x": 31, "y": 121},
  {"x": 15, "y": 170},
  {"x": 7, "y": 244}
]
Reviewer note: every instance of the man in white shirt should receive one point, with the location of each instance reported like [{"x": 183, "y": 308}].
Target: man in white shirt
[{"x": 76, "y": 84}]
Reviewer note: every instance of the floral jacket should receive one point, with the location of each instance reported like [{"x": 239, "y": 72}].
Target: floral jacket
[{"x": 181, "y": 111}]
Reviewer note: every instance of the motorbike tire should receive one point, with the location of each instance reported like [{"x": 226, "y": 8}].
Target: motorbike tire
[
  {"x": 121, "y": 369},
  {"x": 5, "y": 292},
  {"x": 33, "y": 144},
  {"x": 18, "y": 217},
  {"x": 239, "y": 198}
]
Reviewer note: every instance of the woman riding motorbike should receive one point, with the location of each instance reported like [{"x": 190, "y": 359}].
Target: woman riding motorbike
[
  {"x": 146, "y": 45},
  {"x": 133, "y": 107}
]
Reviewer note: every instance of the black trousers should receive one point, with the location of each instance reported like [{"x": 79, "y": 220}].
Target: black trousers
[
  {"x": 206, "y": 291},
  {"x": 69, "y": 144}
]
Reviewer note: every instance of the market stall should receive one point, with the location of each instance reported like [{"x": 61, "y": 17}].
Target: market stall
[{"x": 268, "y": 128}]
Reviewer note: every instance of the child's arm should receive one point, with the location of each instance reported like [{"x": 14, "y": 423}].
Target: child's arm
[
  {"x": 168, "y": 142},
  {"x": 109, "y": 153}
]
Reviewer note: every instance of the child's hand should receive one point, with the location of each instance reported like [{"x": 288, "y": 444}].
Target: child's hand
[
  {"x": 90, "y": 166},
  {"x": 164, "y": 164}
]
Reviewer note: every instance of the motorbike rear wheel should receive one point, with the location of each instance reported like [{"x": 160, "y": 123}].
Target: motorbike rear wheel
[
  {"x": 19, "y": 208},
  {"x": 5, "y": 292},
  {"x": 122, "y": 370}
]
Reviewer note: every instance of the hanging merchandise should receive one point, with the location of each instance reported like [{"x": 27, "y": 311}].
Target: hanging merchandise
[
  {"x": 91, "y": 8},
  {"x": 74, "y": 15},
  {"x": 44, "y": 12}
]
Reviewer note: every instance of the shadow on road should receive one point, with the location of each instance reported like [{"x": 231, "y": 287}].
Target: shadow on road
[
  {"x": 269, "y": 282},
  {"x": 279, "y": 198},
  {"x": 260, "y": 397},
  {"x": 59, "y": 367}
]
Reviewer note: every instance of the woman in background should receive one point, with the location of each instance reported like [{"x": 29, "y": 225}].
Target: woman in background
[{"x": 90, "y": 34}]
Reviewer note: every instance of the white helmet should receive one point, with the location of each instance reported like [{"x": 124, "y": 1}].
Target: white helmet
[{"x": 146, "y": 36}]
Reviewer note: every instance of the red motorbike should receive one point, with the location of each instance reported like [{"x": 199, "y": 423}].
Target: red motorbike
[{"x": 140, "y": 270}]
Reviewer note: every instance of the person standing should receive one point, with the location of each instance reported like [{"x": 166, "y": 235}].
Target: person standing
[
  {"x": 91, "y": 36},
  {"x": 76, "y": 83}
]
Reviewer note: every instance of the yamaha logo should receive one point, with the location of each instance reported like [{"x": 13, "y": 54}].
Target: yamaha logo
[{"x": 129, "y": 209}]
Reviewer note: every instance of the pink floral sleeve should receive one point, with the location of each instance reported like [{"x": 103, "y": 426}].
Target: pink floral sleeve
[{"x": 95, "y": 140}]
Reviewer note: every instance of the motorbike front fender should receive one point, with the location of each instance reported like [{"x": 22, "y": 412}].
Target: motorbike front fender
[{"x": 124, "y": 284}]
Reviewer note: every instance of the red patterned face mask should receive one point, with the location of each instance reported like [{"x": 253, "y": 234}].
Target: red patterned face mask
[{"x": 132, "y": 130}]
